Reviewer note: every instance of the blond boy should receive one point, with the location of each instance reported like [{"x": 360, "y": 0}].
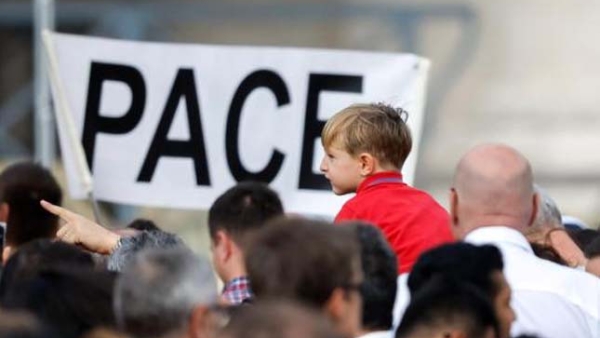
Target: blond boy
[{"x": 365, "y": 148}]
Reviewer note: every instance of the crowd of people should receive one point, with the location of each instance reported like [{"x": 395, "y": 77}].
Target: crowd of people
[{"x": 499, "y": 263}]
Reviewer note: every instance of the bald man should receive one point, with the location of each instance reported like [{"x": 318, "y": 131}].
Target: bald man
[{"x": 493, "y": 201}]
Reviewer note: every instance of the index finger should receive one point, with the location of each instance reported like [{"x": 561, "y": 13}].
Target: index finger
[{"x": 62, "y": 213}]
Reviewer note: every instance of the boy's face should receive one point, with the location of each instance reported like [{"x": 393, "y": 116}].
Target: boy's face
[{"x": 341, "y": 169}]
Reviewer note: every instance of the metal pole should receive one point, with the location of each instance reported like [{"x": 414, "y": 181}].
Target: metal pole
[{"x": 44, "y": 131}]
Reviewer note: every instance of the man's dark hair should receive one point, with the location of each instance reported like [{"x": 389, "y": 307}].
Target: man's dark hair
[
  {"x": 462, "y": 261},
  {"x": 380, "y": 270},
  {"x": 548, "y": 253},
  {"x": 22, "y": 186},
  {"x": 246, "y": 206},
  {"x": 592, "y": 250},
  {"x": 142, "y": 224},
  {"x": 33, "y": 258},
  {"x": 583, "y": 237},
  {"x": 446, "y": 304},
  {"x": 303, "y": 260}
]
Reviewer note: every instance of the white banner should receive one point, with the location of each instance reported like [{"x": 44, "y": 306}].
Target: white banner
[{"x": 175, "y": 125}]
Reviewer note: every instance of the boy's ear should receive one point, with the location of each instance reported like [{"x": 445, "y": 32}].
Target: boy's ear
[{"x": 367, "y": 164}]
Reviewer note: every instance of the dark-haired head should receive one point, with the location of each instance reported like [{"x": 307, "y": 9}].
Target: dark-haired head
[
  {"x": 447, "y": 307},
  {"x": 380, "y": 271},
  {"x": 244, "y": 207},
  {"x": 37, "y": 256},
  {"x": 463, "y": 261},
  {"x": 72, "y": 300},
  {"x": 141, "y": 224},
  {"x": 479, "y": 266},
  {"x": 232, "y": 219},
  {"x": 22, "y": 186},
  {"x": 311, "y": 262}
]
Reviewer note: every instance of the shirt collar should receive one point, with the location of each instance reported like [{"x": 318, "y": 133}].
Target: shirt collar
[
  {"x": 242, "y": 281},
  {"x": 382, "y": 177},
  {"x": 499, "y": 234},
  {"x": 377, "y": 334}
]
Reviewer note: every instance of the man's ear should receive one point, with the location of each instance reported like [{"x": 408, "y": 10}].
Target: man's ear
[
  {"x": 336, "y": 305},
  {"x": 535, "y": 200},
  {"x": 367, "y": 164},
  {"x": 4, "y": 209},
  {"x": 453, "y": 207},
  {"x": 222, "y": 245}
]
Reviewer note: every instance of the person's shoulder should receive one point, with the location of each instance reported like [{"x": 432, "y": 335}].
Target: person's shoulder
[
  {"x": 348, "y": 210},
  {"x": 423, "y": 198},
  {"x": 534, "y": 273}
]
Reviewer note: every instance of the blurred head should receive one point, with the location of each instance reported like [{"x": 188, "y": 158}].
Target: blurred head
[
  {"x": 164, "y": 293},
  {"x": 479, "y": 266},
  {"x": 380, "y": 271},
  {"x": 20, "y": 324},
  {"x": 72, "y": 300},
  {"x": 235, "y": 215},
  {"x": 311, "y": 262},
  {"x": 22, "y": 186},
  {"x": 37, "y": 256},
  {"x": 278, "y": 319},
  {"x": 102, "y": 332},
  {"x": 450, "y": 309},
  {"x": 493, "y": 184}
]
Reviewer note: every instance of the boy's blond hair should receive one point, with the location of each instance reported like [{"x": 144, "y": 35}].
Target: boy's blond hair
[{"x": 377, "y": 129}]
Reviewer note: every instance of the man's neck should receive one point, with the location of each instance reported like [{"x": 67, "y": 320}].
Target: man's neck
[
  {"x": 483, "y": 221},
  {"x": 235, "y": 272}
]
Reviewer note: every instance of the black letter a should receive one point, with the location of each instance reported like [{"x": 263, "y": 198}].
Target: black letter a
[{"x": 194, "y": 147}]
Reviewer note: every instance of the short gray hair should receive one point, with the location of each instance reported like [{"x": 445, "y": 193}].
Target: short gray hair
[
  {"x": 157, "y": 292},
  {"x": 129, "y": 246},
  {"x": 548, "y": 214}
]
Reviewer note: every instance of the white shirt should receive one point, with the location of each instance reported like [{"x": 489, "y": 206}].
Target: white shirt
[
  {"x": 377, "y": 334},
  {"x": 550, "y": 300},
  {"x": 402, "y": 300}
]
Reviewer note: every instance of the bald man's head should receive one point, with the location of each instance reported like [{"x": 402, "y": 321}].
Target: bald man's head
[{"x": 493, "y": 185}]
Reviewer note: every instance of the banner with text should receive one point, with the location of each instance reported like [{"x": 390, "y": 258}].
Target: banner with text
[{"x": 175, "y": 125}]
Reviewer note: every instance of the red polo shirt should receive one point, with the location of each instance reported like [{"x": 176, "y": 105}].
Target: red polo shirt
[{"x": 411, "y": 220}]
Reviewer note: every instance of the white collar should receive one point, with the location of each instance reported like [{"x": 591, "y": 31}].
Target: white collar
[
  {"x": 377, "y": 334},
  {"x": 499, "y": 234}
]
